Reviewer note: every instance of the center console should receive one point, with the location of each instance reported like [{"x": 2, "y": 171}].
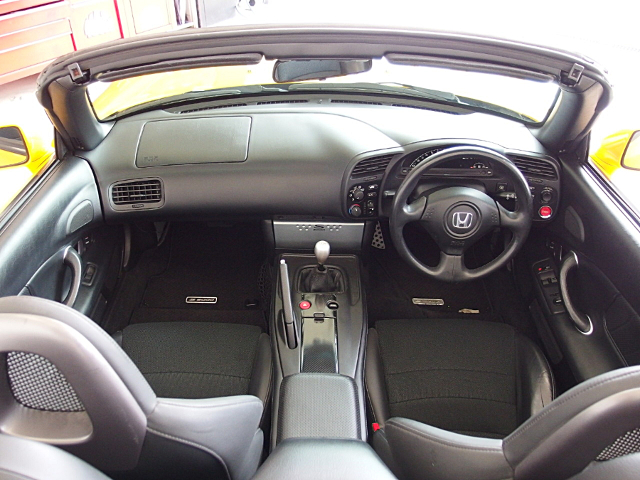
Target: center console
[
  {"x": 318, "y": 329},
  {"x": 319, "y": 336}
]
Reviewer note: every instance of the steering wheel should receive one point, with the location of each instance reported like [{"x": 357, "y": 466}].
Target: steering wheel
[{"x": 457, "y": 217}]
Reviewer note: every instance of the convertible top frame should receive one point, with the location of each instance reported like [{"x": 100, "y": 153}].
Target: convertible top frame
[{"x": 585, "y": 90}]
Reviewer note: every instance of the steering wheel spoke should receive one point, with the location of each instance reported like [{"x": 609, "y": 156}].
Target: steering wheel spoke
[
  {"x": 514, "y": 221},
  {"x": 451, "y": 267},
  {"x": 411, "y": 212}
]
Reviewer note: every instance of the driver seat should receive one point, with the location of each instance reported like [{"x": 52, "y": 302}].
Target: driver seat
[{"x": 470, "y": 377}]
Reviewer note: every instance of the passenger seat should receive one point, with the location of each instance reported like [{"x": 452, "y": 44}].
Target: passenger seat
[{"x": 200, "y": 359}]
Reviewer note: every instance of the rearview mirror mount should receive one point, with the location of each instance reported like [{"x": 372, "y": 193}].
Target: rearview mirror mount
[{"x": 317, "y": 69}]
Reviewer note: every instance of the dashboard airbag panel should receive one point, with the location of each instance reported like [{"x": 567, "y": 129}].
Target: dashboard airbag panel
[{"x": 197, "y": 140}]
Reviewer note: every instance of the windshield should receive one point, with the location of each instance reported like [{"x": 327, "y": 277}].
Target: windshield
[{"x": 524, "y": 99}]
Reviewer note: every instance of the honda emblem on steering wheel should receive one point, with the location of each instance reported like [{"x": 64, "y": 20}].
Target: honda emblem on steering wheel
[{"x": 462, "y": 220}]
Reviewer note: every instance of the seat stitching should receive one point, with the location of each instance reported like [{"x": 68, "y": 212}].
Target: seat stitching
[
  {"x": 435, "y": 439},
  {"x": 167, "y": 401},
  {"x": 450, "y": 396},
  {"x": 451, "y": 370},
  {"x": 193, "y": 444},
  {"x": 557, "y": 405}
]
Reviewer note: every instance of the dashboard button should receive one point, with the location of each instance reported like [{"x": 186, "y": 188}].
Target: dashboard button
[
  {"x": 545, "y": 212},
  {"x": 304, "y": 305}
]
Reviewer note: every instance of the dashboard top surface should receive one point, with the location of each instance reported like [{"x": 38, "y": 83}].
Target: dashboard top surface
[{"x": 289, "y": 159}]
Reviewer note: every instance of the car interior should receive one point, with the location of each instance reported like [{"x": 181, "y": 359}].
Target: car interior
[{"x": 319, "y": 284}]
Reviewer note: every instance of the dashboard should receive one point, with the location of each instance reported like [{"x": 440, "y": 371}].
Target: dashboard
[{"x": 326, "y": 159}]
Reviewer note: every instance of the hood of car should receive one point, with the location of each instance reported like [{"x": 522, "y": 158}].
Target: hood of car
[{"x": 65, "y": 86}]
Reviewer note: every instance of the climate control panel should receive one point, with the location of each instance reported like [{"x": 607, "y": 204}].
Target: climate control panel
[{"x": 362, "y": 199}]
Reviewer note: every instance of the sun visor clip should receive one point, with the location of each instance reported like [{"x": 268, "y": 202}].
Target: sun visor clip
[
  {"x": 575, "y": 74},
  {"x": 77, "y": 75}
]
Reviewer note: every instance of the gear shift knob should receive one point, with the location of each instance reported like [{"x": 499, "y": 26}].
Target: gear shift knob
[{"x": 322, "y": 250}]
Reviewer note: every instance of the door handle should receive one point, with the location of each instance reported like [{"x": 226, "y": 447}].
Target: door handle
[
  {"x": 581, "y": 320},
  {"x": 72, "y": 260}
]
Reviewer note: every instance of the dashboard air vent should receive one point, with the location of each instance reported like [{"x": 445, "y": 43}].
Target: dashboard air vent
[
  {"x": 535, "y": 167},
  {"x": 356, "y": 102},
  {"x": 372, "y": 166},
  {"x": 216, "y": 107},
  {"x": 137, "y": 192},
  {"x": 281, "y": 102}
]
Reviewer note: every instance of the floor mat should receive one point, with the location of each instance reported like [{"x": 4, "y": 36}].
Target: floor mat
[
  {"x": 221, "y": 262},
  {"x": 200, "y": 260},
  {"x": 392, "y": 284}
]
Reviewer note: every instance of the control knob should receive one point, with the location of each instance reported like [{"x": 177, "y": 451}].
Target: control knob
[
  {"x": 546, "y": 196},
  {"x": 355, "y": 210},
  {"x": 357, "y": 193}
]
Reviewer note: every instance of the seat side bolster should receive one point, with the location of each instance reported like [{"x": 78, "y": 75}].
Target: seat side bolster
[
  {"x": 423, "y": 451},
  {"x": 537, "y": 388},
  {"x": 570, "y": 447},
  {"x": 374, "y": 379},
  {"x": 260, "y": 383},
  {"x": 17, "y": 461},
  {"x": 621, "y": 468},
  {"x": 225, "y": 427},
  {"x": 539, "y": 427}
]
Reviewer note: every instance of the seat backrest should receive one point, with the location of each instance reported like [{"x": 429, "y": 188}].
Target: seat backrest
[
  {"x": 595, "y": 422},
  {"x": 66, "y": 382},
  {"x": 59, "y": 389}
]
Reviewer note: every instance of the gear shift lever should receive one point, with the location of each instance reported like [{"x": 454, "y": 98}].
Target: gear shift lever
[
  {"x": 321, "y": 279},
  {"x": 322, "y": 250}
]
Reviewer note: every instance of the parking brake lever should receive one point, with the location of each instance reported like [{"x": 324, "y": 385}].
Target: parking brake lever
[{"x": 290, "y": 325}]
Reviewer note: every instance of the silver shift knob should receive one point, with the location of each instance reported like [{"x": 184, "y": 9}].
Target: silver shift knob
[{"x": 322, "y": 250}]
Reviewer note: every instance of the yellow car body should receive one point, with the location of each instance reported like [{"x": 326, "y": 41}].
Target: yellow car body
[
  {"x": 19, "y": 171},
  {"x": 609, "y": 156}
]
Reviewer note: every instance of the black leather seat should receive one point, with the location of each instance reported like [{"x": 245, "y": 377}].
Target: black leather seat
[
  {"x": 67, "y": 382},
  {"x": 450, "y": 373},
  {"x": 466, "y": 376}
]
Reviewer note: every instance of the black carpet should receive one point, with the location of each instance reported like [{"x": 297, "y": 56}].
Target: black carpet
[
  {"x": 196, "y": 260},
  {"x": 392, "y": 283}
]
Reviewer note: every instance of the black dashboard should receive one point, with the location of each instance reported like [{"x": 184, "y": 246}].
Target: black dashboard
[{"x": 317, "y": 158}]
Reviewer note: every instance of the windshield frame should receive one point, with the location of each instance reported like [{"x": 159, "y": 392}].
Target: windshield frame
[
  {"x": 385, "y": 89},
  {"x": 62, "y": 85}
]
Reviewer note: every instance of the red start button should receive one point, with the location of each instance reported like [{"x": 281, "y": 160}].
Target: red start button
[
  {"x": 545, "y": 212},
  {"x": 304, "y": 305}
]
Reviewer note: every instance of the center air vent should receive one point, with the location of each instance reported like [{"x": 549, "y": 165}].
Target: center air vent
[
  {"x": 137, "y": 194},
  {"x": 535, "y": 167},
  {"x": 371, "y": 166}
]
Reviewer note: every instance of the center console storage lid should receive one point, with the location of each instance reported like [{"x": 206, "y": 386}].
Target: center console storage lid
[
  {"x": 318, "y": 405},
  {"x": 324, "y": 459}
]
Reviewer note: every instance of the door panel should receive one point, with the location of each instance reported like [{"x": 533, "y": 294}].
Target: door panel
[
  {"x": 605, "y": 283},
  {"x": 63, "y": 212}
]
